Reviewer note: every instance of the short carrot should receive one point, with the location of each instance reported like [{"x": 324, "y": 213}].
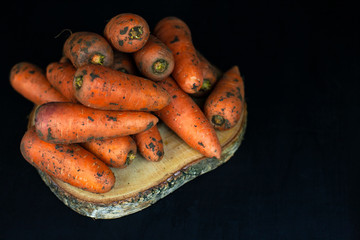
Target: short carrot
[
  {"x": 30, "y": 81},
  {"x": 155, "y": 60},
  {"x": 73, "y": 123},
  {"x": 83, "y": 48},
  {"x": 115, "y": 152},
  {"x": 187, "y": 120},
  {"x": 105, "y": 88},
  {"x": 127, "y": 32},
  {"x": 69, "y": 163},
  {"x": 60, "y": 76},
  {"x": 225, "y": 104},
  {"x": 176, "y": 35},
  {"x": 150, "y": 144},
  {"x": 124, "y": 62}
]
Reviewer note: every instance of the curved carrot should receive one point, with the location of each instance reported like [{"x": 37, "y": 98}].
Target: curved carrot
[
  {"x": 150, "y": 144},
  {"x": 187, "y": 120},
  {"x": 123, "y": 62},
  {"x": 155, "y": 60},
  {"x": 127, "y": 32},
  {"x": 29, "y": 80},
  {"x": 115, "y": 152},
  {"x": 105, "y": 88},
  {"x": 73, "y": 123},
  {"x": 64, "y": 59},
  {"x": 87, "y": 47},
  {"x": 69, "y": 163},
  {"x": 225, "y": 104},
  {"x": 60, "y": 76},
  {"x": 176, "y": 35}
]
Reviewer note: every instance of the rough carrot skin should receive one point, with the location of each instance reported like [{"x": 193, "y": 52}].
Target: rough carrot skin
[
  {"x": 150, "y": 144},
  {"x": 105, "y": 88},
  {"x": 60, "y": 76},
  {"x": 115, "y": 152},
  {"x": 74, "y": 123},
  {"x": 187, "y": 120},
  {"x": 225, "y": 104},
  {"x": 30, "y": 81},
  {"x": 124, "y": 62},
  {"x": 176, "y": 35},
  {"x": 88, "y": 48},
  {"x": 69, "y": 163},
  {"x": 155, "y": 60},
  {"x": 127, "y": 32}
]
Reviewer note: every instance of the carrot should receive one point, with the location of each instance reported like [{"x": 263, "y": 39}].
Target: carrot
[
  {"x": 176, "y": 35},
  {"x": 225, "y": 104},
  {"x": 73, "y": 123},
  {"x": 60, "y": 76},
  {"x": 105, "y": 88},
  {"x": 150, "y": 144},
  {"x": 187, "y": 120},
  {"x": 87, "y": 47},
  {"x": 127, "y": 32},
  {"x": 123, "y": 62},
  {"x": 155, "y": 60},
  {"x": 69, "y": 163},
  {"x": 64, "y": 59},
  {"x": 29, "y": 80},
  {"x": 115, "y": 152}
]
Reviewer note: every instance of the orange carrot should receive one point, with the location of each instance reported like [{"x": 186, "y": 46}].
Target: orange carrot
[
  {"x": 176, "y": 35},
  {"x": 225, "y": 104},
  {"x": 123, "y": 62},
  {"x": 73, "y": 123},
  {"x": 115, "y": 152},
  {"x": 155, "y": 60},
  {"x": 105, "y": 88},
  {"x": 29, "y": 80},
  {"x": 60, "y": 76},
  {"x": 87, "y": 47},
  {"x": 69, "y": 163},
  {"x": 127, "y": 32},
  {"x": 150, "y": 144},
  {"x": 64, "y": 59},
  {"x": 187, "y": 120}
]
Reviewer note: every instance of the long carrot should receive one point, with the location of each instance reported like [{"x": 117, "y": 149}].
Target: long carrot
[
  {"x": 60, "y": 76},
  {"x": 69, "y": 163},
  {"x": 127, "y": 32},
  {"x": 30, "y": 81},
  {"x": 115, "y": 152},
  {"x": 87, "y": 47},
  {"x": 73, "y": 123},
  {"x": 105, "y": 88},
  {"x": 176, "y": 35},
  {"x": 225, "y": 104},
  {"x": 124, "y": 62},
  {"x": 150, "y": 144},
  {"x": 187, "y": 120},
  {"x": 155, "y": 60}
]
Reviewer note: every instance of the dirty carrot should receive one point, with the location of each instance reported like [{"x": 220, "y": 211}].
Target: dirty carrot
[
  {"x": 30, "y": 81},
  {"x": 69, "y": 163},
  {"x": 60, "y": 76},
  {"x": 105, "y": 88},
  {"x": 225, "y": 104},
  {"x": 150, "y": 144},
  {"x": 176, "y": 35},
  {"x": 127, "y": 32},
  {"x": 187, "y": 120},
  {"x": 64, "y": 59},
  {"x": 124, "y": 62},
  {"x": 83, "y": 48},
  {"x": 73, "y": 123},
  {"x": 155, "y": 60}
]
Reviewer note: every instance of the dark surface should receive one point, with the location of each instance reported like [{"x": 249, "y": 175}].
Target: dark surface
[{"x": 296, "y": 175}]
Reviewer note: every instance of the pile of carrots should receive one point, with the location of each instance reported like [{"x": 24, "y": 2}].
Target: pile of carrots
[{"x": 99, "y": 105}]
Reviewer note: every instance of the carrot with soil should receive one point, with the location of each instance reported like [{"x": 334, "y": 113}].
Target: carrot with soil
[
  {"x": 124, "y": 62},
  {"x": 150, "y": 144},
  {"x": 74, "y": 123},
  {"x": 69, "y": 163},
  {"x": 176, "y": 35},
  {"x": 225, "y": 104},
  {"x": 30, "y": 81}
]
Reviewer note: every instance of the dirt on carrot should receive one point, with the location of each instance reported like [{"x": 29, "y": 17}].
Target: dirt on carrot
[
  {"x": 150, "y": 144},
  {"x": 124, "y": 62}
]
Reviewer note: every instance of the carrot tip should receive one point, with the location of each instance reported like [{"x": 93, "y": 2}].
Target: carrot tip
[
  {"x": 217, "y": 120},
  {"x": 160, "y": 66},
  {"x": 206, "y": 85},
  {"x": 129, "y": 158},
  {"x": 78, "y": 82},
  {"x": 97, "y": 58},
  {"x": 136, "y": 32}
]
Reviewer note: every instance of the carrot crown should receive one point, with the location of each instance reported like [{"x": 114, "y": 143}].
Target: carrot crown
[
  {"x": 97, "y": 58},
  {"x": 78, "y": 82},
  {"x": 160, "y": 66},
  {"x": 136, "y": 32}
]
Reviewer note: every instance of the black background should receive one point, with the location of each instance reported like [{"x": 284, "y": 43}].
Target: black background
[{"x": 296, "y": 175}]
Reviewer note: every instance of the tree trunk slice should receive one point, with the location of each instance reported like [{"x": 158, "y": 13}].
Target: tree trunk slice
[{"x": 143, "y": 183}]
